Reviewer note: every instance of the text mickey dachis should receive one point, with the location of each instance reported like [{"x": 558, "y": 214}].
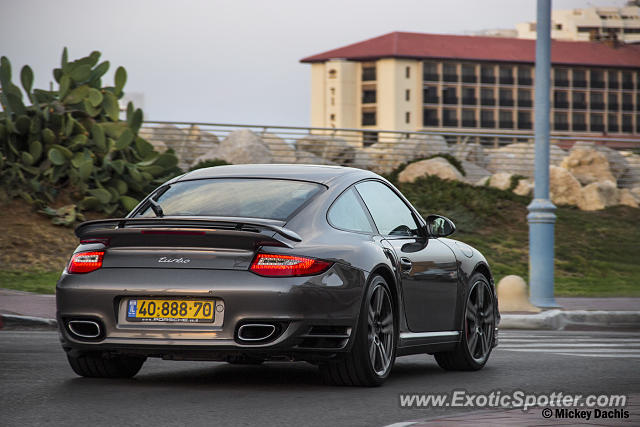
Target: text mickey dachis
[{"x": 586, "y": 414}]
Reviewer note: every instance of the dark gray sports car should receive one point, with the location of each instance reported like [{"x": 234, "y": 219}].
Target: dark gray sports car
[{"x": 244, "y": 264}]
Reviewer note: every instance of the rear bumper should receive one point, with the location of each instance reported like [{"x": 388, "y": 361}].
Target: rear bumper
[{"x": 305, "y": 309}]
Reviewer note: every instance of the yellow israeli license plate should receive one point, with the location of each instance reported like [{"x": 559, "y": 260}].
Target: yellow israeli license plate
[{"x": 170, "y": 310}]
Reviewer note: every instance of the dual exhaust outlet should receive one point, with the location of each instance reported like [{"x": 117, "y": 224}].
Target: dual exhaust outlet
[{"x": 85, "y": 329}]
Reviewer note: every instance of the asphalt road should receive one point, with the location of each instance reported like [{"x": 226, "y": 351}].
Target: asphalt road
[{"x": 38, "y": 388}]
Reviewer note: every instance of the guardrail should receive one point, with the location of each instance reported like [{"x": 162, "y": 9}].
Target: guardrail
[{"x": 481, "y": 153}]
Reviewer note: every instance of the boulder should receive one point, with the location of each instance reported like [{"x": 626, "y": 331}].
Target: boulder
[
  {"x": 437, "y": 166},
  {"x": 518, "y": 158},
  {"x": 471, "y": 152},
  {"x": 281, "y": 151},
  {"x": 631, "y": 177},
  {"x": 524, "y": 187},
  {"x": 617, "y": 162},
  {"x": 239, "y": 147},
  {"x": 501, "y": 181},
  {"x": 588, "y": 165},
  {"x": 335, "y": 150},
  {"x": 636, "y": 192},
  {"x": 483, "y": 182},
  {"x": 307, "y": 158},
  {"x": 188, "y": 144},
  {"x": 473, "y": 171},
  {"x": 564, "y": 188},
  {"x": 627, "y": 198},
  {"x": 598, "y": 195},
  {"x": 417, "y": 146}
]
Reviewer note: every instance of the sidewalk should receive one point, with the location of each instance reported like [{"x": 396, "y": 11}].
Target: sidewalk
[{"x": 582, "y": 313}]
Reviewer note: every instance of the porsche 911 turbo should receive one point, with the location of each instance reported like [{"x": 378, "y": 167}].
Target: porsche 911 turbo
[{"x": 252, "y": 263}]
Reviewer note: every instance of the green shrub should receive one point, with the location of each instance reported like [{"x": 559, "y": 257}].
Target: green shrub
[{"x": 208, "y": 164}]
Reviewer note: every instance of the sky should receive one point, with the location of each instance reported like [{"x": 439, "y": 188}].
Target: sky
[{"x": 231, "y": 61}]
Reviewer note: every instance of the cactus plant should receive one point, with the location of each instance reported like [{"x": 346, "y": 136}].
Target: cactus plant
[{"x": 72, "y": 141}]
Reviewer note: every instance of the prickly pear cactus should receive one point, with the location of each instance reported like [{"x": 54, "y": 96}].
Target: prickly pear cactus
[{"x": 72, "y": 141}]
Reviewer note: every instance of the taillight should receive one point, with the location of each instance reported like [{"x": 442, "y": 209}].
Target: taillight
[
  {"x": 287, "y": 265},
  {"x": 85, "y": 262}
]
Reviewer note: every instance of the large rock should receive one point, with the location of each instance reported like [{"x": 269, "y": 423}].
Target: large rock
[
  {"x": 636, "y": 192},
  {"x": 627, "y": 198},
  {"x": 588, "y": 165},
  {"x": 332, "y": 149},
  {"x": 437, "y": 166},
  {"x": 500, "y": 180},
  {"x": 240, "y": 147},
  {"x": 471, "y": 152},
  {"x": 617, "y": 162},
  {"x": 564, "y": 188},
  {"x": 524, "y": 187},
  {"x": 281, "y": 151},
  {"x": 631, "y": 178},
  {"x": 473, "y": 172},
  {"x": 598, "y": 195},
  {"x": 518, "y": 158},
  {"x": 188, "y": 144},
  {"x": 307, "y": 158}
]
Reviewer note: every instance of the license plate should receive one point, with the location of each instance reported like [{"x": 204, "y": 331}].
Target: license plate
[{"x": 170, "y": 310}]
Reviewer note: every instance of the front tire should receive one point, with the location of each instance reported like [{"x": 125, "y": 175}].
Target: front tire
[
  {"x": 478, "y": 328},
  {"x": 96, "y": 365},
  {"x": 370, "y": 360}
]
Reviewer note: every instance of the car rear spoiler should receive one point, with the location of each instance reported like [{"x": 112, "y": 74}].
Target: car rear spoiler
[{"x": 92, "y": 228}]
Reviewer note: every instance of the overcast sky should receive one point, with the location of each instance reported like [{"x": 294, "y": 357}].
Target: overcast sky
[{"x": 233, "y": 61}]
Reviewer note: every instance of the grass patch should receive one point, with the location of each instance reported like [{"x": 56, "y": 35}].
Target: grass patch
[{"x": 39, "y": 282}]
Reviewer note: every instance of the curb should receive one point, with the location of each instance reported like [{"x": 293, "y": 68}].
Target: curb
[
  {"x": 12, "y": 321},
  {"x": 559, "y": 319}
]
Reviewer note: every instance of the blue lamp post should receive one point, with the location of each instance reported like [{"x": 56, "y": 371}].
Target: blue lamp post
[{"x": 541, "y": 215}]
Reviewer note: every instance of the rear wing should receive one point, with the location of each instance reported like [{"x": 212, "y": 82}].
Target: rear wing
[{"x": 98, "y": 228}]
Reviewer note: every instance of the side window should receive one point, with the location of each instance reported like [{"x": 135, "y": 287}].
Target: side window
[
  {"x": 347, "y": 213},
  {"x": 389, "y": 212}
]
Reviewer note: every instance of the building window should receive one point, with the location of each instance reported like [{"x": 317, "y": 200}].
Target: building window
[
  {"x": 449, "y": 118},
  {"x": 524, "y": 76},
  {"x": 407, "y": 94},
  {"x": 368, "y": 73},
  {"x": 407, "y": 72},
  {"x": 524, "y": 120},
  {"x": 449, "y": 95},
  {"x": 597, "y": 78},
  {"x": 596, "y": 100},
  {"x": 579, "y": 100},
  {"x": 506, "y": 97},
  {"x": 506, "y": 75},
  {"x": 597, "y": 122},
  {"x": 468, "y": 118},
  {"x": 612, "y": 120},
  {"x": 487, "y": 97},
  {"x": 627, "y": 123},
  {"x": 430, "y": 117},
  {"x": 627, "y": 80},
  {"x": 627, "y": 102},
  {"x": 468, "y": 73},
  {"x": 487, "y": 74},
  {"x": 369, "y": 118},
  {"x": 469, "y": 96},
  {"x": 579, "y": 78},
  {"x": 561, "y": 77},
  {"x": 430, "y": 71},
  {"x": 560, "y": 99},
  {"x": 407, "y": 117},
  {"x": 579, "y": 122},
  {"x": 333, "y": 73},
  {"x": 369, "y": 96},
  {"x": 487, "y": 119},
  {"x": 449, "y": 72},
  {"x": 332, "y": 117},
  {"x": 524, "y": 98},
  {"x": 612, "y": 102},
  {"x": 506, "y": 119},
  {"x": 614, "y": 83},
  {"x": 430, "y": 95},
  {"x": 560, "y": 121}
]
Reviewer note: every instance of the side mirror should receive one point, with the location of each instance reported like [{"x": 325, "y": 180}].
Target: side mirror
[{"x": 439, "y": 226}]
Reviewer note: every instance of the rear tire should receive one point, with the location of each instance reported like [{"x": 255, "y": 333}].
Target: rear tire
[
  {"x": 96, "y": 365},
  {"x": 478, "y": 328},
  {"x": 370, "y": 360}
]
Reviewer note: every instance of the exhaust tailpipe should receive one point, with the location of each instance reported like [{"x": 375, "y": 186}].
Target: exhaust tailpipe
[
  {"x": 256, "y": 332},
  {"x": 84, "y": 328}
]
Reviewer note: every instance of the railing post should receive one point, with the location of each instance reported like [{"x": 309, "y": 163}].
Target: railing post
[{"x": 541, "y": 215}]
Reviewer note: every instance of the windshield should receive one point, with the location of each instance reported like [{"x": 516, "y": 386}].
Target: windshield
[{"x": 238, "y": 197}]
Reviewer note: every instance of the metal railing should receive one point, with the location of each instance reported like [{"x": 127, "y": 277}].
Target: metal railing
[{"x": 481, "y": 153}]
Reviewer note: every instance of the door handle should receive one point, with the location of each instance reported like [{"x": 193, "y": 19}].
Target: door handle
[{"x": 405, "y": 264}]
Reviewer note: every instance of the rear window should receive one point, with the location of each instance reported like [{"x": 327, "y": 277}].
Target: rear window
[{"x": 250, "y": 198}]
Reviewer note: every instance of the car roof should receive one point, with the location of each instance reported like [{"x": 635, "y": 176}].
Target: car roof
[{"x": 321, "y": 174}]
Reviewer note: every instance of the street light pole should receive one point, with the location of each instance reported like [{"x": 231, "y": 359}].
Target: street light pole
[{"x": 541, "y": 215}]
